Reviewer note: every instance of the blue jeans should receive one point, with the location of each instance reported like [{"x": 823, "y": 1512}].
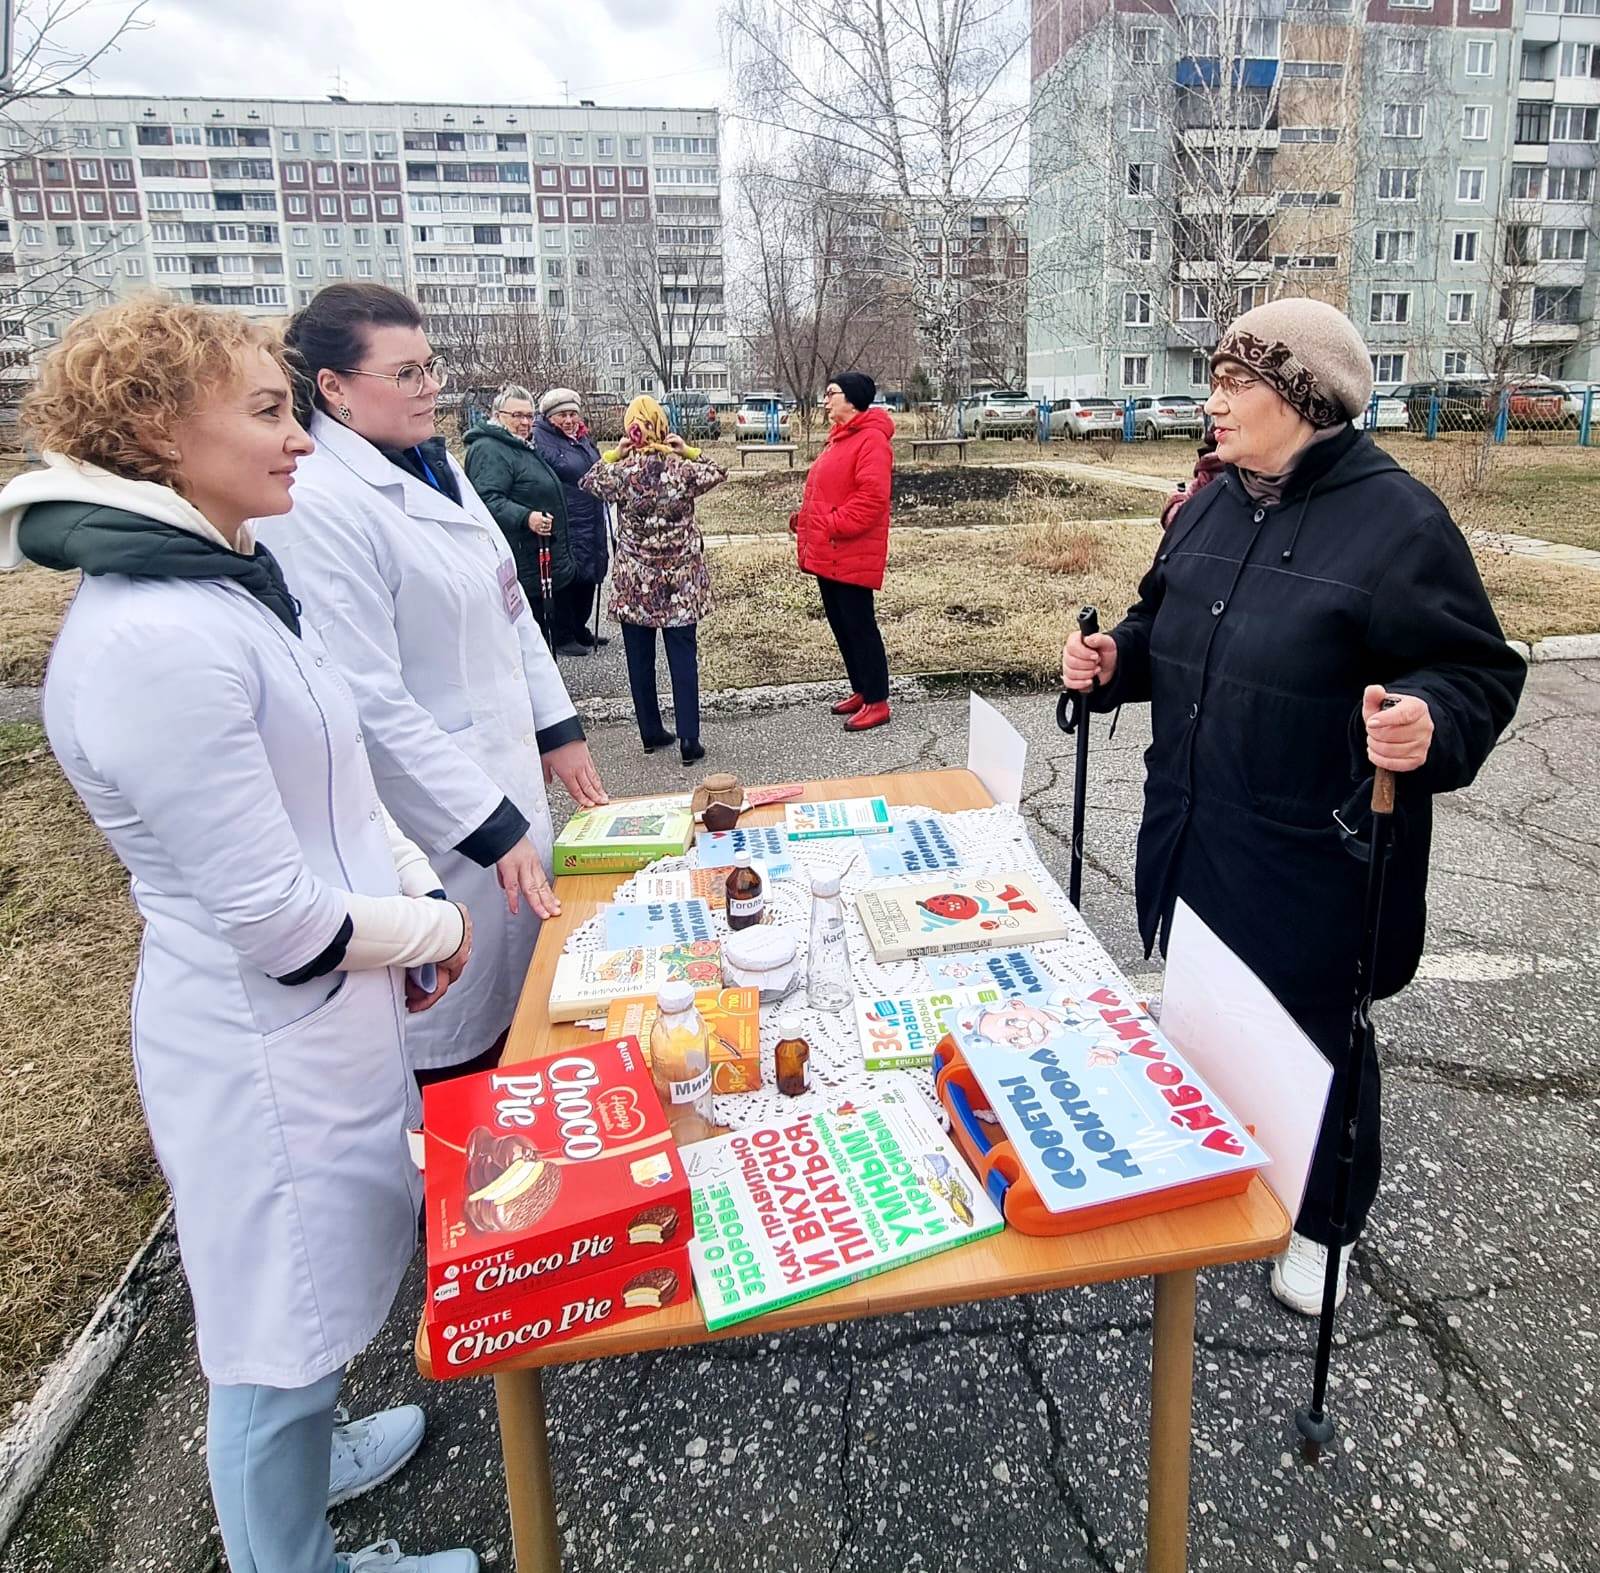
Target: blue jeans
[
  {"x": 268, "y": 1449},
  {"x": 683, "y": 662}
]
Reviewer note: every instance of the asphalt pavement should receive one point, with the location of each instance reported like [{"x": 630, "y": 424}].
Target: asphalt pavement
[{"x": 1011, "y": 1435}]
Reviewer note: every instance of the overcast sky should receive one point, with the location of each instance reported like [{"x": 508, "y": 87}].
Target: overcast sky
[{"x": 659, "y": 52}]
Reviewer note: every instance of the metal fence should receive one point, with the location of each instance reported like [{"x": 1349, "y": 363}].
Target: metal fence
[{"x": 1520, "y": 414}]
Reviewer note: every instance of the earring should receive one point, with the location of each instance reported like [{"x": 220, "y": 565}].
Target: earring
[{"x": 343, "y": 412}]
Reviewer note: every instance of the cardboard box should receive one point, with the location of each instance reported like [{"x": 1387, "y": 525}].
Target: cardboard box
[
  {"x": 465, "y": 1339},
  {"x": 542, "y": 1173},
  {"x": 734, "y": 1015},
  {"x": 617, "y": 838}
]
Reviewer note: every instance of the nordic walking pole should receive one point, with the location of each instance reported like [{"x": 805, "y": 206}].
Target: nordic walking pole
[
  {"x": 1313, "y": 1422},
  {"x": 1072, "y": 714}
]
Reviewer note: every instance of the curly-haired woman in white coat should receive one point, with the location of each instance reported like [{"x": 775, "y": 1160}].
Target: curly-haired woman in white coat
[{"x": 218, "y": 750}]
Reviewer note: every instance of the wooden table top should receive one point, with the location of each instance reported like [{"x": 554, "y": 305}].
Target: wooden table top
[{"x": 1240, "y": 1228}]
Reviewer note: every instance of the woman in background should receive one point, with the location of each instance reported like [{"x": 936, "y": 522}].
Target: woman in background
[
  {"x": 842, "y": 536},
  {"x": 562, "y": 441},
  {"x": 220, "y": 753},
  {"x": 661, "y": 578}
]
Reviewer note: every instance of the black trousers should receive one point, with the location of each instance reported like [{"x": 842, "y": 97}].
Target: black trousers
[
  {"x": 683, "y": 662},
  {"x": 573, "y": 610},
  {"x": 1330, "y": 1031},
  {"x": 855, "y": 630}
]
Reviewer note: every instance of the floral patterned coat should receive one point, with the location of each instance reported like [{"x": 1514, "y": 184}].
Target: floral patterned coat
[{"x": 659, "y": 576}]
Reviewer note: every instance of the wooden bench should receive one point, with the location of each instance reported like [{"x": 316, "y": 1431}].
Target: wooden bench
[
  {"x": 958, "y": 443},
  {"x": 747, "y": 448}
]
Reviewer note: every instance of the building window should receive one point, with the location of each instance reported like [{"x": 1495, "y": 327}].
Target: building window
[
  {"x": 1533, "y": 122},
  {"x": 1484, "y": 5},
  {"x": 289, "y": 141},
  {"x": 1469, "y": 185},
  {"x": 1412, "y": 5},
  {"x": 1394, "y": 245},
  {"x": 296, "y": 204},
  {"x": 1397, "y": 184},
  {"x": 322, "y": 141},
  {"x": 333, "y": 267},
  {"x": 1309, "y": 134},
  {"x": 1558, "y": 305},
  {"x": 1136, "y": 308},
  {"x": 1464, "y": 246},
  {"x": 1144, "y": 46},
  {"x": 1458, "y": 308},
  {"x": 1475, "y": 122},
  {"x": 1390, "y": 306},
  {"x": 1566, "y": 185},
  {"x": 364, "y": 268},
  {"x": 330, "y": 236},
  {"x": 115, "y": 138},
  {"x": 1314, "y": 70},
  {"x": 1142, "y": 115},
  {"x": 1456, "y": 363},
  {"x": 1135, "y": 371},
  {"x": 1199, "y": 369},
  {"x": 1389, "y": 368},
  {"x": 1141, "y": 244},
  {"x": 1574, "y": 123},
  {"x": 1563, "y": 245},
  {"x": 352, "y": 142},
  {"x": 1194, "y": 303},
  {"x": 1408, "y": 55},
  {"x": 633, "y": 147},
  {"x": 133, "y": 267},
  {"x": 1141, "y": 180},
  {"x": 328, "y": 207},
  {"x": 1402, "y": 120},
  {"x": 302, "y": 268}
]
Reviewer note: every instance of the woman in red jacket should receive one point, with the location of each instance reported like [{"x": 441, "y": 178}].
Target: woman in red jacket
[{"x": 842, "y": 536}]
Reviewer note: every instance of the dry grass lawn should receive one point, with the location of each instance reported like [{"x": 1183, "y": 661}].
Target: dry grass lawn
[
  {"x": 79, "y": 1187},
  {"x": 32, "y": 604}
]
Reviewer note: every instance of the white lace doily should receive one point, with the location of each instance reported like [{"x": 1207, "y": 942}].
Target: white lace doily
[{"x": 987, "y": 840}]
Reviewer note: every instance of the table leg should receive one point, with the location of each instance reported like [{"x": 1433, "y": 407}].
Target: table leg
[
  {"x": 1171, "y": 1393},
  {"x": 525, "y": 1447}
]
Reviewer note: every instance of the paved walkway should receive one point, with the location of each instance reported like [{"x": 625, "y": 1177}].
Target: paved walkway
[{"x": 1010, "y": 1435}]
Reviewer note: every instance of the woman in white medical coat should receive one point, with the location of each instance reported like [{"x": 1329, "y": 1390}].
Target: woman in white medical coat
[
  {"x": 408, "y": 579},
  {"x": 212, "y": 740}
]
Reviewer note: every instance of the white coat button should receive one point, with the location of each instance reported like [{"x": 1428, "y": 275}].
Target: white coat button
[
  {"x": 1259, "y": 515},
  {"x": 1216, "y": 608},
  {"x": 527, "y": 737},
  {"x": 318, "y": 661},
  {"x": 373, "y": 816}
]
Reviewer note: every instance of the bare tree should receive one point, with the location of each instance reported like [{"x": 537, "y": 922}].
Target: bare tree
[
  {"x": 918, "y": 94},
  {"x": 59, "y": 282},
  {"x": 661, "y": 282}
]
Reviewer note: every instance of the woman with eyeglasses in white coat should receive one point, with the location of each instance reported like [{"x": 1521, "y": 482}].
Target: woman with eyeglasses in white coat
[{"x": 411, "y": 584}]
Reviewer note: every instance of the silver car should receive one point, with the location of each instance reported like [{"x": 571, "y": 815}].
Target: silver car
[
  {"x": 1085, "y": 418},
  {"x": 1005, "y": 415},
  {"x": 1171, "y": 415}
]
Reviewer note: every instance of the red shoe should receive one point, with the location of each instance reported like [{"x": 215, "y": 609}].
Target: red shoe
[
  {"x": 868, "y": 716},
  {"x": 849, "y": 706}
]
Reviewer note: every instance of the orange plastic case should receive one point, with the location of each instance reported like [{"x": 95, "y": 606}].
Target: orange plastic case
[{"x": 1001, "y": 1173}]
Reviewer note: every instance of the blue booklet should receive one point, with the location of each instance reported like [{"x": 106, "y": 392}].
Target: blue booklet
[
  {"x": 1097, "y": 1105},
  {"x": 658, "y": 923},
  {"x": 914, "y": 846},
  {"x": 767, "y": 845},
  {"x": 1013, "y": 972}
]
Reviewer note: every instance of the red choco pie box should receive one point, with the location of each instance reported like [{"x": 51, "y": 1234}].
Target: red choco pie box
[
  {"x": 465, "y": 1339},
  {"x": 546, "y": 1172}
]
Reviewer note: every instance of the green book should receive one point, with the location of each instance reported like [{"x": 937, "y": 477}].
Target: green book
[
  {"x": 786, "y": 1211},
  {"x": 618, "y": 838}
]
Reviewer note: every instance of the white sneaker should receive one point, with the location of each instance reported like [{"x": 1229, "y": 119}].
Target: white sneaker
[
  {"x": 385, "y": 1556},
  {"x": 367, "y": 1452},
  {"x": 1298, "y": 1275}
]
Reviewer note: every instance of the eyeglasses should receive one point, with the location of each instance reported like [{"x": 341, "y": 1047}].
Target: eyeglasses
[
  {"x": 411, "y": 379},
  {"x": 1229, "y": 383}
]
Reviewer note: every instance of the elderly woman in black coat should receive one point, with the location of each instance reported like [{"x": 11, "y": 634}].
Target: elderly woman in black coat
[
  {"x": 562, "y": 440},
  {"x": 1307, "y": 583}
]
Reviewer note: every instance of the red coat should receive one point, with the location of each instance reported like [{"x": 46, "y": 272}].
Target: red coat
[{"x": 842, "y": 528}]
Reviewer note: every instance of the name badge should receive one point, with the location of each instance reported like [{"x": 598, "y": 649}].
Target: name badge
[{"x": 510, "y": 590}]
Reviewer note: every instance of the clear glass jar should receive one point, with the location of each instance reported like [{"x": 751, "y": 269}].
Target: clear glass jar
[
  {"x": 828, "y": 982},
  {"x": 680, "y": 1063}
]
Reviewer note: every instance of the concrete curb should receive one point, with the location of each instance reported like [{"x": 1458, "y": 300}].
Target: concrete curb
[
  {"x": 1568, "y": 647},
  {"x": 30, "y": 1443}
]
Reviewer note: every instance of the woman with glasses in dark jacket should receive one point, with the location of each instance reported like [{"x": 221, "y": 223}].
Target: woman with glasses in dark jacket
[{"x": 1306, "y": 586}]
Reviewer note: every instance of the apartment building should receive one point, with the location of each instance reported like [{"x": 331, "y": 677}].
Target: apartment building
[
  {"x": 473, "y": 209},
  {"x": 1426, "y": 165}
]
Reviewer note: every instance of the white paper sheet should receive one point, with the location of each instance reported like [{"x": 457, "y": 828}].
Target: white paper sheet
[
  {"x": 1247, "y": 1046},
  {"x": 997, "y": 753}
]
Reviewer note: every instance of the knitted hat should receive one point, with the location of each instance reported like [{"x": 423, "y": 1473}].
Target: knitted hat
[
  {"x": 858, "y": 388},
  {"x": 1308, "y": 352},
  {"x": 559, "y": 399}
]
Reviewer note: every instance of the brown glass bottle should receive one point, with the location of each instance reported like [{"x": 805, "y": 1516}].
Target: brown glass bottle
[
  {"x": 747, "y": 896},
  {"x": 793, "y": 1057}
]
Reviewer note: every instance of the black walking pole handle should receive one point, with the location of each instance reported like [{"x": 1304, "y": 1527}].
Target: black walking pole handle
[{"x": 1066, "y": 712}]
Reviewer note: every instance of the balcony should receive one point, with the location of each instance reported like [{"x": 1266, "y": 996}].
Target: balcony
[
  {"x": 1536, "y": 90},
  {"x": 1206, "y": 71}
]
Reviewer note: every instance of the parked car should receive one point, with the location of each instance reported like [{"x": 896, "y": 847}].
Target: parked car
[
  {"x": 1463, "y": 405},
  {"x": 1540, "y": 405},
  {"x": 1390, "y": 414},
  {"x": 998, "y": 414},
  {"x": 697, "y": 419},
  {"x": 750, "y": 421},
  {"x": 1575, "y": 401},
  {"x": 602, "y": 414},
  {"x": 1085, "y": 418},
  {"x": 1170, "y": 415}
]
